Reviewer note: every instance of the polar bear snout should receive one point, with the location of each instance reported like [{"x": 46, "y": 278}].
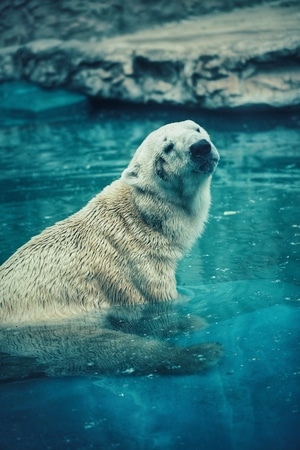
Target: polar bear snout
[
  {"x": 200, "y": 148},
  {"x": 204, "y": 156}
]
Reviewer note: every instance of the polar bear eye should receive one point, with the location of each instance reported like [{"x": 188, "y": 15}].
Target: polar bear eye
[
  {"x": 169, "y": 147},
  {"x": 198, "y": 130},
  {"x": 159, "y": 167}
]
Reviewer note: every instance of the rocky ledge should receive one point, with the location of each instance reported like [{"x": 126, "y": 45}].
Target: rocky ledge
[{"x": 244, "y": 58}]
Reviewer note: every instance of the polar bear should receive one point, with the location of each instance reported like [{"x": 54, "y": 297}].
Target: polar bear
[{"x": 122, "y": 248}]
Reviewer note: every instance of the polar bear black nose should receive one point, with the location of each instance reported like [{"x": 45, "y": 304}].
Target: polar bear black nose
[{"x": 200, "y": 148}]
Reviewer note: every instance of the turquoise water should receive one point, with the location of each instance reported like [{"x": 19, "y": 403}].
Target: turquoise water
[{"x": 242, "y": 277}]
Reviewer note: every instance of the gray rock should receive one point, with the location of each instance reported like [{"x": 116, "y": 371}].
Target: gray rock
[
  {"x": 22, "y": 21},
  {"x": 247, "y": 57}
]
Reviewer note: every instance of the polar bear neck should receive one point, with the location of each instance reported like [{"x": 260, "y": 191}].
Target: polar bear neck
[
  {"x": 176, "y": 224},
  {"x": 181, "y": 220}
]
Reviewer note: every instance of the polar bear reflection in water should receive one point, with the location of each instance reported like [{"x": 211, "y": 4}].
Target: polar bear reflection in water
[{"x": 96, "y": 292}]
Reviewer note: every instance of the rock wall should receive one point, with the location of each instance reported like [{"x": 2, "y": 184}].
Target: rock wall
[
  {"x": 23, "y": 21},
  {"x": 244, "y": 58}
]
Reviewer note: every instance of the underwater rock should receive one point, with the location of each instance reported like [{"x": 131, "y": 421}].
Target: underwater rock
[
  {"x": 27, "y": 100},
  {"x": 214, "y": 61}
]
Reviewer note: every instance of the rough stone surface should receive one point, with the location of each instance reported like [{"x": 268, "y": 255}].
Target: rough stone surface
[
  {"x": 23, "y": 21},
  {"x": 246, "y": 57}
]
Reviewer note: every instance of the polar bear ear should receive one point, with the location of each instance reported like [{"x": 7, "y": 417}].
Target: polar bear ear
[{"x": 130, "y": 175}]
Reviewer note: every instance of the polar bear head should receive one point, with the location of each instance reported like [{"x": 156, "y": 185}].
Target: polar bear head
[{"x": 173, "y": 162}]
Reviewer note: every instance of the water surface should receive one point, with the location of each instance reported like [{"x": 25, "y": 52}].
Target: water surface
[{"x": 242, "y": 276}]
